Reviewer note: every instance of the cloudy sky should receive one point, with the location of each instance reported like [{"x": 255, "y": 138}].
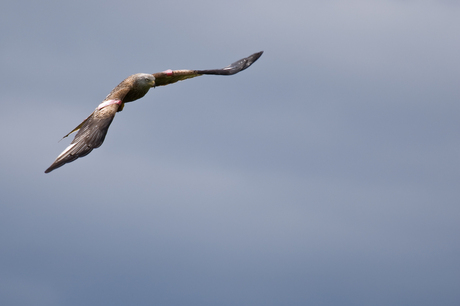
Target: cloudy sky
[{"x": 325, "y": 174}]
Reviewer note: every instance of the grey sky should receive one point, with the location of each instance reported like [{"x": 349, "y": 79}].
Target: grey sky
[{"x": 325, "y": 174}]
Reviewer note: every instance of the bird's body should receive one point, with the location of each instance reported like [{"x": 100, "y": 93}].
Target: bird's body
[{"x": 92, "y": 131}]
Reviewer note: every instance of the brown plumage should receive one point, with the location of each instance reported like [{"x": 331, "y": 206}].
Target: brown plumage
[{"x": 92, "y": 131}]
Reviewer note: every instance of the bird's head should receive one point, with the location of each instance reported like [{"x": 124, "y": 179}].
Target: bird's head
[{"x": 144, "y": 80}]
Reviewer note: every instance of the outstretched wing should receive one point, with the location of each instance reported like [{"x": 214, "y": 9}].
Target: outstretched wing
[
  {"x": 90, "y": 136},
  {"x": 173, "y": 76}
]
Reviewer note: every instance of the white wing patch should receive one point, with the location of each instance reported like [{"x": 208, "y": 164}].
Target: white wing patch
[
  {"x": 66, "y": 150},
  {"x": 108, "y": 102}
]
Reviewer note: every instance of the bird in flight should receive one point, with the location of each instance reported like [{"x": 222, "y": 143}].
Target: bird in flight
[{"x": 92, "y": 131}]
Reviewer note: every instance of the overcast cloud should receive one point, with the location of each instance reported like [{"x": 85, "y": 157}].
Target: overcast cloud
[{"x": 325, "y": 174}]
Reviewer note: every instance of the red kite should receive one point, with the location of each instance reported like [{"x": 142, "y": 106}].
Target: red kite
[{"x": 92, "y": 131}]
